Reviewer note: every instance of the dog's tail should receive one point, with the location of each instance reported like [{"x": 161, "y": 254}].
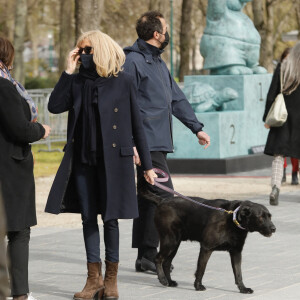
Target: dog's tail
[{"x": 144, "y": 192}]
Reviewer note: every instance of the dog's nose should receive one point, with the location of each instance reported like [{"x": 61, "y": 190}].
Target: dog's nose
[{"x": 273, "y": 229}]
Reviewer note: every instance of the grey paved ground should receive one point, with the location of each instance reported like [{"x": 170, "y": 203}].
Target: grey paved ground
[{"x": 271, "y": 266}]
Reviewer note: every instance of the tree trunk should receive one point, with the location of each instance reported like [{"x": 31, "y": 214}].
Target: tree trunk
[
  {"x": 32, "y": 25},
  {"x": 267, "y": 60},
  {"x": 154, "y": 5},
  {"x": 263, "y": 15},
  {"x": 185, "y": 38},
  {"x": 298, "y": 17},
  {"x": 87, "y": 15},
  {"x": 66, "y": 34},
  {"x": 19, "y": 36},
  {"x": 9, "y": 19}
]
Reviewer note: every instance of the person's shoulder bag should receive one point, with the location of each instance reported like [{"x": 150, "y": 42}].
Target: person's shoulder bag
[{"x": 277, "y": 114}]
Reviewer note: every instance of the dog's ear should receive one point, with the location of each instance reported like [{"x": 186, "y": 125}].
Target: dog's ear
[{"x": 245, "y": 211}]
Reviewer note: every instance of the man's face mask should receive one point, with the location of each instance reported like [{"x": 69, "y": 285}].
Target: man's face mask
[
  {"x": 165, "y": 43},
  {"x": 87, "y": 61}
]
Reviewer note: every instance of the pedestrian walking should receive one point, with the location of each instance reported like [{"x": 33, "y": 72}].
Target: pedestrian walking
[
  {"x": 285, "y": 140},
  {"x": 18, "y": 128},
  {"x": 96, "y": 175},
  {"x": 294, "y": 161},
  {"x": 159, "y": 97}
]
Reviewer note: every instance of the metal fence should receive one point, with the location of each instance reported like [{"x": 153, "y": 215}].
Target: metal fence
[{"x": 58, "y": 123}]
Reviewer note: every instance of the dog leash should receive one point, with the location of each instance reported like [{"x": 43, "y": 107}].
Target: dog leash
[{"x": 165, "y": 178}]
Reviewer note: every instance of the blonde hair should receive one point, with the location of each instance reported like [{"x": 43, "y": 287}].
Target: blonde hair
[
  {"x": 108, "y": 56},
  {"x": 291, "y": 70}
]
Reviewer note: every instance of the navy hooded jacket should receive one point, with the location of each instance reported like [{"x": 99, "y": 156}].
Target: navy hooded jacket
[{"x": 159, "y": 96}]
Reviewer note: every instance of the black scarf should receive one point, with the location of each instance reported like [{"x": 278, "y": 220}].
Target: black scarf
[{"x": 90, "y": 115}]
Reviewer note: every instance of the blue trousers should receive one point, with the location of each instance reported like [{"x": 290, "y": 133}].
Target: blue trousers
[{"x": 89, "y": 191}]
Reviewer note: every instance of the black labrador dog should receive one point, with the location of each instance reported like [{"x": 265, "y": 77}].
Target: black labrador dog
[{"x": 179, "y": 220}]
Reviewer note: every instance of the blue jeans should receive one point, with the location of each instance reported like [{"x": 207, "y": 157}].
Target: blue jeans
[{"x": 87, "y": 180}]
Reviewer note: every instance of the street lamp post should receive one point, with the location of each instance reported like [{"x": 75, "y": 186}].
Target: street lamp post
[{"x": 171, "y": 38}]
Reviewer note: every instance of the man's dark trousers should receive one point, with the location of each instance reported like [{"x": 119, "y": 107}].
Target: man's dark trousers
[{"x": 144, "y": 234}]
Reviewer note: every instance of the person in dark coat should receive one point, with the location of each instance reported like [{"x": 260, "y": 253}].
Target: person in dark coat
[
  {"x": 4, "y": 286},
  {"x": 285, "y": 140},
  {"x": 18, "y": 128},
  {"x": 294, "y": 161},
  {"x": 159, "y": 97},
  {"x": 96, "y": 175}
]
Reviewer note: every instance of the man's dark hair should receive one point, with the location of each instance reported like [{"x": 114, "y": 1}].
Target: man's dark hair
[{"x": 148, "y": 23}]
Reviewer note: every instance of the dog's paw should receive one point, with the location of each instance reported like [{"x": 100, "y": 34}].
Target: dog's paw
[
  {"x": 199, "y": 287},
  {"x": 246, "y": 291},
  {"x": 173, "y": 283},
  {"x": 163, "y": 281}
]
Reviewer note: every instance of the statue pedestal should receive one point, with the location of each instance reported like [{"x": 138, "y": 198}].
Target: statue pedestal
[{"x": 233, "y": 131}]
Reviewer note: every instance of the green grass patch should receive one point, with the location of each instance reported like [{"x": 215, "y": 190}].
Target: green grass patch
[{"x": 47, "y": 163}]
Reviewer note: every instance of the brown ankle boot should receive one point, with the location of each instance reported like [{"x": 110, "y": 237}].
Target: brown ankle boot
[
  {"x": 94, "y": 283},
  {"x": 110, "y": 281}
]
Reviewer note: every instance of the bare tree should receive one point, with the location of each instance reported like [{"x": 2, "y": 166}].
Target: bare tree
[
  {"x": 198, "y": 25},
  {"x": 298, "y": 16},
  {"x": 154, "y": 4},
  {"x": 9, "y": 19},
  {"x": 185, "y": 38},
  {"x": 159, "y": 5},
  {"x": 88, "y": 15},
  {"x": 20, "y": 26},
  {"x": 270, "y": 31},
  {"x": 32, "y": 25},
  {"x": 66, "y": 33}
]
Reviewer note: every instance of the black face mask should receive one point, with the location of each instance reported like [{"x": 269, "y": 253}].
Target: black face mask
[
  {"x": 87, "y": 61},
  {"x": 165, "y": 43}
]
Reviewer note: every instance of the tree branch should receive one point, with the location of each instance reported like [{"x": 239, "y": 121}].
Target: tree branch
[{"x": 279, "y": 29}]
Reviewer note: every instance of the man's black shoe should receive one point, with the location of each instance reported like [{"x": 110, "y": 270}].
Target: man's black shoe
[
  {"x": 138, "y": 265},
  {"x": 148, "y": 265},
  {"x": 144, "y": 264}
]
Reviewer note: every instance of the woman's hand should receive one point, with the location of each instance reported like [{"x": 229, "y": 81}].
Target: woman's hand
[
  {"x": 267, "y": 126},
  {"x": 149, "y": 176},
  {"x": 136, "y": 157},
  {"x": 72, "y": 61},
  {"x": 47, "y": 130}
]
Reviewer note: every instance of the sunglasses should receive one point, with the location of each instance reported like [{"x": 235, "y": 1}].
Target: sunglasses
[{"x": 87, "y": 50}]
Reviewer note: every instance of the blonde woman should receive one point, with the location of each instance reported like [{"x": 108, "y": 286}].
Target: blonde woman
[{"x": 96, "y": 175}]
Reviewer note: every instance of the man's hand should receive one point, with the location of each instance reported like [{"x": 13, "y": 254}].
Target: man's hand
[
  {"x": 149, "y": 176},
  {"x": 267, "y": 126},
  {"x": 204, "y": 139},
  {"x": 136, "y": 157}
]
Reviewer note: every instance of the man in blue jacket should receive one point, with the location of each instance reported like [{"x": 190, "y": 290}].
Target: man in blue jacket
[{"x": 159, "y": 97}]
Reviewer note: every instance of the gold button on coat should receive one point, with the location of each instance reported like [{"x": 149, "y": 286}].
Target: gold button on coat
[
  {"x": 114, "y": 145},
  {"x": 114, "y": 126},
  {"x": 116, "y": 109}
]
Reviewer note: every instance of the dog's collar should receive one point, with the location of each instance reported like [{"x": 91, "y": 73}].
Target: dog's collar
[{"x": 235, "y": 221}]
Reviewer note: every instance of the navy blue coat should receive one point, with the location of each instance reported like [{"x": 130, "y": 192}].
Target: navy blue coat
[
  {"x": 158, "y": 97},
  {"x": 120, "y": 122}
]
